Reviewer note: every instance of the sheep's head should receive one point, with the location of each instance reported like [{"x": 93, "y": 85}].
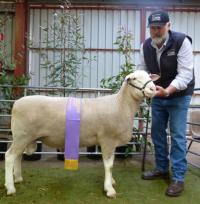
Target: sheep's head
[{"x": 142, "y": 83}]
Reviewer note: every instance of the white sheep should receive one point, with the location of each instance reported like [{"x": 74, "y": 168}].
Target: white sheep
[{"x": 106, "y": 121}]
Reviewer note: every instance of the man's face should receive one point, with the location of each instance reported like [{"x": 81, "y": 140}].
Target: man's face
[{"x": 159, "y": 33}]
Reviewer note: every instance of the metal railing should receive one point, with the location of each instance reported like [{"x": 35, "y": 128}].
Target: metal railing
[
  {"x": 87, "y": 92},
  {"x": 194, "y": 138}
]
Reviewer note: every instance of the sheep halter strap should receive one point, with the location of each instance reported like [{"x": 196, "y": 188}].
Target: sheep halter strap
[
  {"x": 141, "y": 88},
  {"x": 72, "y": 133}
]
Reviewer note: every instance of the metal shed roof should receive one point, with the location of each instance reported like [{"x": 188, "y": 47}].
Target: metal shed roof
[{"x": 126, "y": 2}]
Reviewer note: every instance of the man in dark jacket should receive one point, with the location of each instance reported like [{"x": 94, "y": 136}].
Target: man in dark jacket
[{"x": 169, "y": 54}]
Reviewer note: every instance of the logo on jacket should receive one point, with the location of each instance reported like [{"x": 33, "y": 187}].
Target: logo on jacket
[{"x": 171, "y": 52}]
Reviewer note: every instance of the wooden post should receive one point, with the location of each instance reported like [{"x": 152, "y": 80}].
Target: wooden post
[
  {"x": 20, "y": 36},
  {"x": 143, "y": 25}
]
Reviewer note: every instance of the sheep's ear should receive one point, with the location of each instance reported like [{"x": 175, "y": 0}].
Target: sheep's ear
[{"x": 154, "y": 77}]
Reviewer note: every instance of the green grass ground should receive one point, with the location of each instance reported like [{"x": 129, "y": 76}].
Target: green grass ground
[{"x": 85, "y": 186}]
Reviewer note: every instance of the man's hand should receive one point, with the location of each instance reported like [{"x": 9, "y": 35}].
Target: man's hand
[{"x": 161, "y": 92}]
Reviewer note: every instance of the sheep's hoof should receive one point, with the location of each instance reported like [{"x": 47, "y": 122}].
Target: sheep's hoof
[
  {"x": 11, "y": 191},
  {"x": 111, "y": 193},
  {"x": 18, "y": 180}
]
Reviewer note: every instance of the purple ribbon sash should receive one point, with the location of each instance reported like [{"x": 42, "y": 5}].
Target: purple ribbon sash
[{"x": 72, "y": 133}]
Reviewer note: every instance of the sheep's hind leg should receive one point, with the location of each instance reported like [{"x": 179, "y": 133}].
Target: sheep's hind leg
[
  {"x": 108, "y": 160},
  {"x": 9, "y": 166},
  {"x": 14, "y": 152},
  {"x": 30, "y": 149},
  {"x": 17, "y": 170}
]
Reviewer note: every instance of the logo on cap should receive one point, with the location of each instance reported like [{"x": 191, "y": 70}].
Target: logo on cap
[{"x": 156, "y": 17}]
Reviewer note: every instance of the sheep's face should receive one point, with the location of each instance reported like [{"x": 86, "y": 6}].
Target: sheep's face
[{"x": 142, "y": 83}]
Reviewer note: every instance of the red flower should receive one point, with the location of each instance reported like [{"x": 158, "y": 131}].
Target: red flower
[{"x": 2, "y": 36}]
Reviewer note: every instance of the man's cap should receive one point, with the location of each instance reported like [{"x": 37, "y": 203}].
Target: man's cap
[{"x": 158, "y": 18}]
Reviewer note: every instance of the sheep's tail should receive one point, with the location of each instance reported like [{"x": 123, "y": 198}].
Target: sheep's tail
[{"x": 31, "y": 148}]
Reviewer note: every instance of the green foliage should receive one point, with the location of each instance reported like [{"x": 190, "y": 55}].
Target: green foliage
[
  {"x": 124, "y": 42},
  {"x": 11, "y": 81},
  {"x": 65, "y": 38},
  {"x": 7, "y": 68}
]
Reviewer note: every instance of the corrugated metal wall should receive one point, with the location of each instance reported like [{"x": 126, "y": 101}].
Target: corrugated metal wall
[
  {"x": 100, "y": 28},
  {"x": 188, "y": 22}
]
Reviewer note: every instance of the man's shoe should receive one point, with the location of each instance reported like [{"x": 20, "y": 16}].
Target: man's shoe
[
  {"x": 155, "y": 174},
  {"x": 175, "y": 188}
]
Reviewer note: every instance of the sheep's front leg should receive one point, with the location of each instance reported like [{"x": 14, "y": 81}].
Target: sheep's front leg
[{"x": 108, "y": 187}]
